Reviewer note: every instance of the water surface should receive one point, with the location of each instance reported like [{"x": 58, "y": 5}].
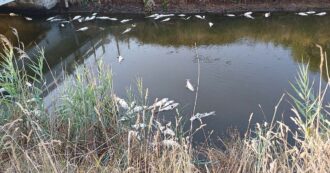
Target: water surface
[{"x": 246, "y": 65}]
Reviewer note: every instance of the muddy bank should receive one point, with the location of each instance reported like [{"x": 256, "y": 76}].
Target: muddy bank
[{"x": 174, "y": 6}]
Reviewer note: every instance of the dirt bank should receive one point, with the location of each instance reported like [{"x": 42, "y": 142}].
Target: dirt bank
[{"x": 178, "y": 6}]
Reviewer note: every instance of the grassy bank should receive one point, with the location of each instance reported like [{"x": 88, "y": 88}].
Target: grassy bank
[{"x": 90, "y": 129}]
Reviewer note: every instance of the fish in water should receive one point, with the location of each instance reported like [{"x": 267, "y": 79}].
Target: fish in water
[
  {"x": 302, "y": 14},
  {"x": 83, "y": 29},
  {"x": 134, "y": 25},
  {"x": 211, "y": 24},
  {"x": 62, "y": 25},
  {"x": 267, "y": 14},
  {"x": 127, "y": 30},
  {"x": 165, "y": 20},
  {"x": 56, "y": 20},
  {"x": 248, "y": 15},
  {"x": 103, "y": 18},
  {"x": 310, "y": 12},
  {"x": 152, "y": 16},
  {"x": 50, "y": 18},
  {"x": 94, "y": 14},
  {"x": 89, "y": 18},
  {"x": 200, "y": 17},
  {"x": 28, "y": 18},
  {"x": 113, "y": 19},
  {"x": 321, "y": 14},
  {"x": 125, "y": 20},
  {"x": 230, "y": 15},
  {"x": 169, "y": 107},
  {"x": 199, "y": 116},
  {"x": 122, "y": 103},
  {"x": 189, "y": 85},
  {"x": 159, "y": 103},
  {"x": 80, "y": 20},
  {"x": 76, "y": 18},
  {"x": 187, "y": 18},
  {"x": 13, "y": 14},
  {"x": 163, "y": 15},
  {"x": 181, "y": 15},
  {"x": 120, "y": 59}
]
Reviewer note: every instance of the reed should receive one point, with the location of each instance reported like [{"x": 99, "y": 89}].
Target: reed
[{"x": 90, "y": 129}]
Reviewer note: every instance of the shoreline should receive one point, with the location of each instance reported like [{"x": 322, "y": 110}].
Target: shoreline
[{"x": 138, "y": 8}]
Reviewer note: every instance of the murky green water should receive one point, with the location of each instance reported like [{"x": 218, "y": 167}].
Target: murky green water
[{"x": 246, "y": 65}]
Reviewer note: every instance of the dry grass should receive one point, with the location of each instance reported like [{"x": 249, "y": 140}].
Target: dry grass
[{"x": 88, "y": 129}]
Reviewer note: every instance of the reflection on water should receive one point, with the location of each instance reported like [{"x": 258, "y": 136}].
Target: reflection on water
[{"x": 246, "y": 65}]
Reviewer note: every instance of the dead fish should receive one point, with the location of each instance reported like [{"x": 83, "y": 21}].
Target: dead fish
[
  {"x": 267, "y": 14},
  {"x": 83, "y": 29},
  {"x": 28, "y": 18},
  {"x": 134, "y": 25},
  {"x": 248, "y": 15},
  {"x": 200, "y": 17},
  {"x": 50, "y": 18},
  {"x": 103, "y": 18},
  {"x": 187, "y": 18},
  {"x": 230, "y": 15},
  {"x": 302, "y": 14},
  {"x": 13, "y": 14},
  {"x": 166, "y": 20},
  {"x": 122, "y": 103},
  {"x": 125, "y": 20},
  {"x": 181, "y": 15},
  {"x": 163, "y": 15},
  {"x": 169, "y": 107},
  {"x": 321, "y": 14},
  {"x": 94, "y": 14},
  {"x": 113, "y": 19},
  {"x": 89, "y": 18},
  {"x": 189, "y": 85},
  {"x": 76, "y": 18},
  {"x": 169, "y": 132},
  {"x": 199, "y": 116},
  {"x": 152, "y": 16},
  {"x": 211, "y": 24},
  {"x": 120, "y": 59},
  {"x": 159, "y": 103},
  {"x": 56, "y": 20},
  {"x": 127, "y": 30},
  {"x": 310, "y": 12}
]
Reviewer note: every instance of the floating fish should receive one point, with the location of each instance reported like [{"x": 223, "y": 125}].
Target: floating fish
[
  {"x": 321, "y": 14},
  {"x": 127, "y": 30},
  {"x": 302, "y": 14},
  {"x": 125, "y": 20},
  {"x": 189, "y": 85},
  {"x": 89, "y": 18},
  {"x": 28, "y": 18},
  {"x": 248, "y": 15},
  {"x": 80, "y": 20},
  {"x": 169, "y": 107},
  {"x": 50, "y": 18},
  {"x": 159, "y": 103},
  {"x": 200, "y": 17},
  {"x": 199, "y": 116},
  {"x": 103, "y": 18},
  {"x": 13, "y": 14},
  {"x": 163, "y": 15},
  {"x": 122, "y": 103},
  {"x": 94, "y": 14},
  {"x": 152, "y": 16},
  {"x": 170, "y": 143},
  {"x": 187, "y": 18},
  {"x": 120, "y": 59},
  {"x": 230, "y": 15},
  {"x": 56, "y": 20},
  {"x": 267, "y": 14},
  {"x": 181, "y": 15},
  {"x": 168, "y": 103},
  {"x": 62, "y": 25},
  {"x": 83, "y": 29},
  {"x": 76, "y": 18},
  {"x": 310, "y": 12},
  {"x": 113, "y": 19},
  {"x": 211, "y": 24},
  {"x": 165, "y": 20},
  {"x": 134, "y": 25}
]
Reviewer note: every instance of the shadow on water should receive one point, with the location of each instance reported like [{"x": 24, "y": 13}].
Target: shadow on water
[{"x": 246, "y": 64}]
